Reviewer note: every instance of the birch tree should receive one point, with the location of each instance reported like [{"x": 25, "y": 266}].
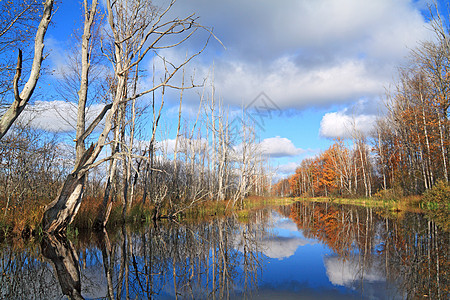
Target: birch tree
[
  {"x": 22, "y": 97},
  {"x": 136, "y": 28}
]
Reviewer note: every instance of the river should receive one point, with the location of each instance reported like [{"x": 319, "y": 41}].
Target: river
[{"x": 301, "y": 251}]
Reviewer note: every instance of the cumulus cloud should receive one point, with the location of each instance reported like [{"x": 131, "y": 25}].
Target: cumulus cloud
[
  {"x": 292, "y": 86},
  {"x": 56, "y": 116},
  {"x": 184, "y": 145},
  {"x": 281, "y": 222},
  {"x": 340, "y": 124},
  {"x": 301, "y": 53},
  {"x": 281, "y": 247},
  {"x": 279, "y": 147},
  {"x": 304, "y": 53},
  {"x": 273, "y": 147},
  {"x": 276, "y": 245},
  {"x": 287, "y": 169}
]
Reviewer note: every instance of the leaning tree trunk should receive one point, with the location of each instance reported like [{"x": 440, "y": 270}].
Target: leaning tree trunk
[
  {"x": 61, "y": 211},
  {"x": 65, "y": 206}
]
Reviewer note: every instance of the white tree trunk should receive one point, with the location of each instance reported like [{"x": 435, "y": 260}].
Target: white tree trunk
[{"x": 21, "y": 99}]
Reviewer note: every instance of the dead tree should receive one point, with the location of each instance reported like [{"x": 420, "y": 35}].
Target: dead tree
[
  {"x": 21, "y": 98},
  {"x": 137, "y": 28}
]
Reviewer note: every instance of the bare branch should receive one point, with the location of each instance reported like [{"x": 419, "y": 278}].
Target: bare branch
[
  {"x": 96, "y": 121},
  {"x": 17, "y": 77},
  {"x": 21, "y": 100}
]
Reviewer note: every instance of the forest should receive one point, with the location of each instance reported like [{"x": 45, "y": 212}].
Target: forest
[
  {"x": 124, "y": 172},
  {"x": 117, "y": 159},
  {"x": 120, "y": 156},
  {"x": 407, "y": 152}
]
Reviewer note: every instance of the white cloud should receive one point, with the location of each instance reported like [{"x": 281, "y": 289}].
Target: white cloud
[
  {"x": 281, "y": 247},
  {"x": 279, "y": 147},
  {"x": 287, "y": 169},
  {"x": 275, "y": 245},
  {"x": 306, "y": 53},
  {"x": 184, "y": 144},
  {"x": 56, "y": 116},
  {"x": 292, "y": 86},
  {"x": 166, "y": 146},
  {"x": 281, "y": 222},
  {"x": 278, "y": 247},
  {"x": 339, "y": 124}
]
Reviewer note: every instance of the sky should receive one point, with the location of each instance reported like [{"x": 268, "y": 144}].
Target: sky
[{"x": 315, "y": 68}]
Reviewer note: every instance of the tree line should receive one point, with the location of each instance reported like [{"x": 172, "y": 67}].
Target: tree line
[
  {"x": 407, "y": 151},
  {"x": 119, "y": 154}
]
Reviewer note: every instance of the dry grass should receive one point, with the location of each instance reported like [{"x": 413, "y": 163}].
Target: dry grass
[
  {"x": 87, "y": 213},
  {"x": 408, "y": 203},
  {"x": 213, "y": 209},
  {"x": 20, "y": 220},
  {"x": 90, "y": 207}
]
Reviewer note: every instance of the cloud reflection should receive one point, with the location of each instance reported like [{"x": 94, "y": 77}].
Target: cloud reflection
[
  {"x": 345, "y": 272},
  {"x": 281, "y": 247},
  {"x": 282, "y": 242}
]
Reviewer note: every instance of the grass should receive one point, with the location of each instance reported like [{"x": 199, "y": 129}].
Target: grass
[
  {"x": 26, "y": 219},
  {"x": 20, "y": 220},
  {"x": 213, "y": 209},
  {"x": 409, "y": 203},
  {"x": 89, "y": 208}
]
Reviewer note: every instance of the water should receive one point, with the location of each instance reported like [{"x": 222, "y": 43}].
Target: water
[{"x": 302, "y": 251}]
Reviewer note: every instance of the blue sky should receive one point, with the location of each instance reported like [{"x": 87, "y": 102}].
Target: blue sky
[{"x": 325, "y": 63}]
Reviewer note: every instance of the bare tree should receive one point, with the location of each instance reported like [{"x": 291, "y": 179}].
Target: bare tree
[
  {"x": 18, "y": 25},
  {"x": 136, "y": 28},
  {"x": 21, "y": 98}
]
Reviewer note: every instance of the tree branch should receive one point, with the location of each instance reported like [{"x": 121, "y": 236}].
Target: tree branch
[
  {"x": 22, "y": 99},
  {"x": 94, "y": 123},
  {"x": 17, "y": 77}
]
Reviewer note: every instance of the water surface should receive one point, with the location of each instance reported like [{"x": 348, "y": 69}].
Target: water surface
[{"x": 301, "y": 251}]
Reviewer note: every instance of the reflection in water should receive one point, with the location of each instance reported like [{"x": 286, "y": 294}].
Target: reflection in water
[
  {"x": 309, "y": 249},
  {"x": 409, "y": 253},
  {"x": 214, "y": 259},
  {"x": 24, "y": 275},
  {"x": 347, "y": 271},
  {"x": 60, "y": 253}
]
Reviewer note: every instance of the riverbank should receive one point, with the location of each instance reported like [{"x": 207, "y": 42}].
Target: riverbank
[
  {"x": 438, "y": 212},
  {"x": 22, "y": 223},
  {"x": 411, "y": 203},
  {"x": 211, "y": 209}
]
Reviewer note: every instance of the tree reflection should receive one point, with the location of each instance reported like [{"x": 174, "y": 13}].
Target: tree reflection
[
  {"x": 187, "y": 261},
  {"x": 410, "y": 252},
  {"x": 213, "y": 259},
  {"x": 62, "y": 256},
  {"x": 24, "y": 276},
  {"x": 223, "y": 258}
]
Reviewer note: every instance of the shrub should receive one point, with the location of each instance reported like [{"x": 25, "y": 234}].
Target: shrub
[
  {"x": 439, "y": 194},
  {"x": 139, "y": 212},
  {"x": 395, "y": 193}
]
